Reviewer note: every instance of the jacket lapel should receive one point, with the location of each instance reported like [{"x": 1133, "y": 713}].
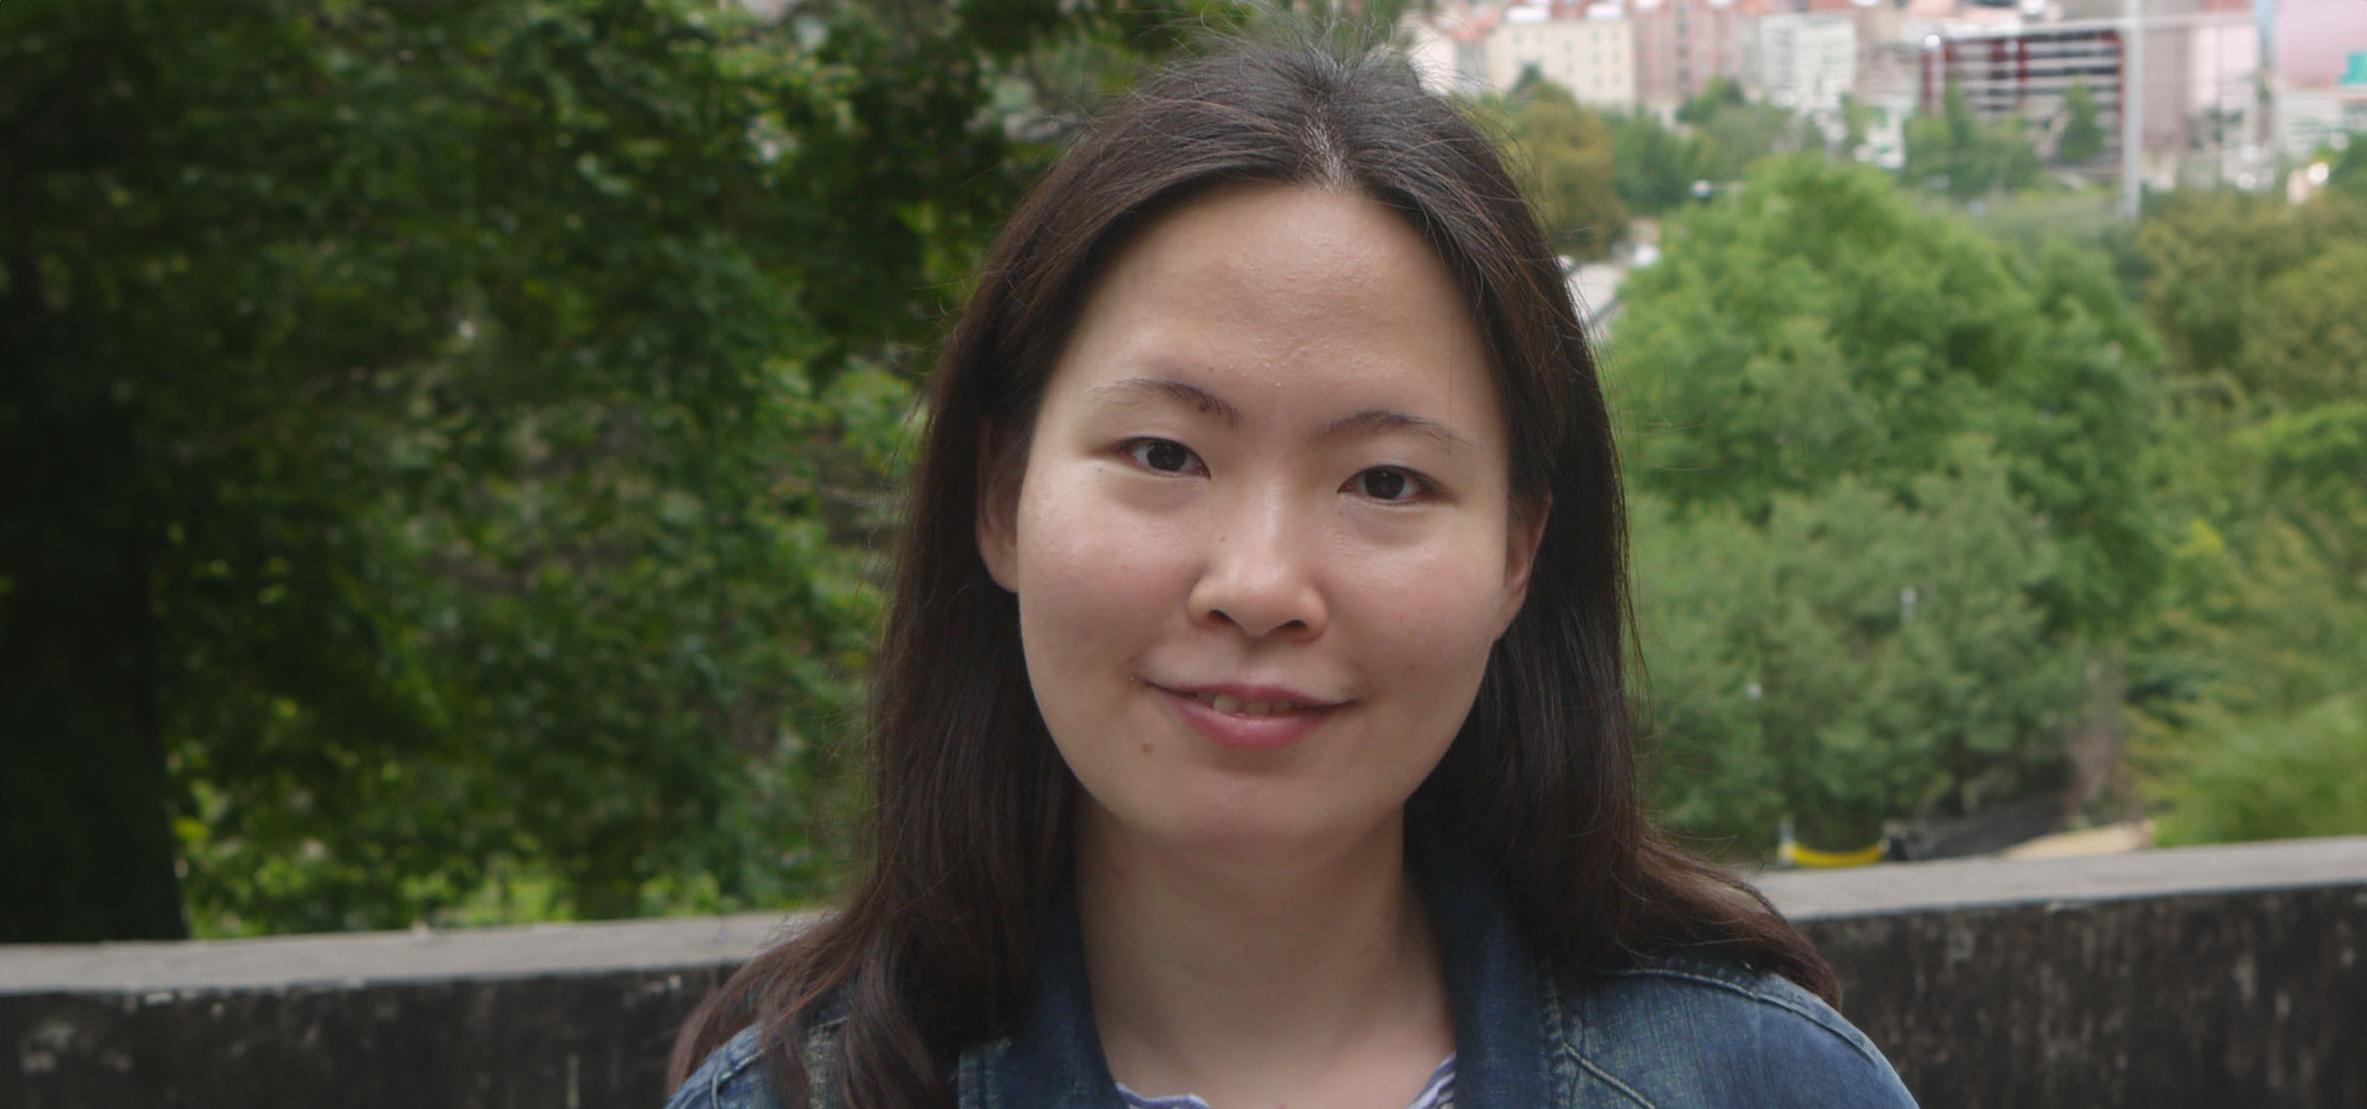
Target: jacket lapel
[
  {"x": 1054, "y": 1058},
  {"x": 1499, "y": 1002},
  {"x": 1502, "y": 1058}
]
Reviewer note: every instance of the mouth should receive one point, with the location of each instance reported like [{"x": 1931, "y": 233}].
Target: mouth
[
  {"x": 1227, "y": 703},
  {"x": 1251, "y": 717}
]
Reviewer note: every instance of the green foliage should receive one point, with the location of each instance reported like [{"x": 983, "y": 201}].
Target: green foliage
[
  {"x": 2083, "y": 135},
  {"x": 1716, "y": 95},
  {"x": 1734, "y": 136},
  {"x": 2256, "y": 729},
  {"x": 1857, "y": 117},
  {"x": 2298, "y": 774},
  {"x": 2265, "y": 609},
  {"x": 1568, "y": 155},
  {"x": 2253, "y": 667},
  {"x": 455, "y": 435},
  {"x": 1653, "y": 164},
  {"x": 1891, "y": 478},
  {"x": 1858, "y": 654},
  {"x": 1720, "y": 134},
  {"x": 2213, "y": 260},
  {"x": 1962, "y": 156},
  {"x": 2085, "y": 219},
  {"x": 1821, "y": 325},
  {"x": 2307, "y": 345},
  {"x": 2348, "y": 171}
]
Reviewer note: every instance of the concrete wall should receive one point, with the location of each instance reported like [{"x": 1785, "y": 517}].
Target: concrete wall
[
  {"x": 2220, "y": 976},
  {"x": 2208, "y": 976}
]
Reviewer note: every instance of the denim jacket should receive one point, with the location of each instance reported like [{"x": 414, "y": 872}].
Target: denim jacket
[{"x": 1667, "y": 1032}]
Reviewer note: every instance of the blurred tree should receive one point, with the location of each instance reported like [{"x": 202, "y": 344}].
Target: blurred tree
[
  {"x": 2348, "y": 171},
  {"x": 1732, "y": 136},
  {"x": 1652, "y": 164},
  {"x": 2214, "y": 260},
  {"x": 1858, "y": 654},
  {"x": 2083, "y": 137},
  {"x": 1816, "y": 351},
  {"x": 2307, "y": 343},
  {"x": 441, "y": 441},
  {"x": 2255, "y": 667},
  {"x": 1957, "y": 153},
  {"x": 2251, "y": 673},
  {"x": 1719, "y": 135},
  {"x": 1715, "y": 95},
  {"x": 1568, "y": 153},
  {"x": 1857, "y": 117},
  {"x": 1821, "y": 325}
]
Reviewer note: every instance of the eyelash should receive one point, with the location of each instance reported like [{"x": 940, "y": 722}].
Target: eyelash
[{"x": 1422, "y": 487}]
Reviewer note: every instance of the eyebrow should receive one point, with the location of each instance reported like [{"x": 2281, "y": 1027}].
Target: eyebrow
[{"x": 1368, "y": 422}]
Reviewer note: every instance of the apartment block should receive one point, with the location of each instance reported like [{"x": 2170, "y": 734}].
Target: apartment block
[{"x": 1588, "y": 49}]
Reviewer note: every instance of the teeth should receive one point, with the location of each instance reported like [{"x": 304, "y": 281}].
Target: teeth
[{"x": 1227, "y": 703}]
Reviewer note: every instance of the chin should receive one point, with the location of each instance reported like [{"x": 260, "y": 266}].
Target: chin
[{"x": 1249, "y": 826}]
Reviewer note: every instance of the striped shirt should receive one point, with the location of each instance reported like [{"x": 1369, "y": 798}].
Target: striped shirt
[{"x": 1437, "y": 1093}]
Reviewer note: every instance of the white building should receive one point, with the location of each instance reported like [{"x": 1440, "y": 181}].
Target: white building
[
  {"x": 1449, "y": 49},
  {"x": 2308, "y": 118},
  {"x": 1805, "y": 61},
  {"x": 1587, "y": 49}
]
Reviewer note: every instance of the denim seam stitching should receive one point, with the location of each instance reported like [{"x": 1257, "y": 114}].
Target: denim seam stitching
[
  {"x": 732, "y": 1070},
  {"x": 1562, "y": 1017},
  {"x": 1786, "y": 1004},
  {"x": 1610, "y": 1079}
]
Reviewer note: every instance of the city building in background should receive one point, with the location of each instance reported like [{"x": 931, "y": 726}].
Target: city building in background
[
  {"x": 2318, "y": 68},
  {"x": 2220, "y": 91},
  {"x": 1587, "y": 48},
  {"x": 2199, "y": 107},
  {"x": 2028, "y": 72},
  {"x": 1806, "y": 61},
  {"x": 1682, "y": 44},
  {"x": 2311, "y": 117}
]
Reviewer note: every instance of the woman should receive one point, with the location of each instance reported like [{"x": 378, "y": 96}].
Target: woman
[{"x": 1249, "y": 727}]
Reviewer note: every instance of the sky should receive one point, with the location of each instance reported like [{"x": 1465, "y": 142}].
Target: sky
[{"x": 2314, "y": 36}]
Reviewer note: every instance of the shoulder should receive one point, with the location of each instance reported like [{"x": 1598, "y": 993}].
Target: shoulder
[
  {"x": 732, "y": 1077},
  {"x": 1692, "y": 1030},
  {"x": 735, "y": 1076}
]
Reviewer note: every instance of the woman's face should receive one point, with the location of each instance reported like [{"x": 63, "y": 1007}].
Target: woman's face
[{"x": 1263, "y": 541}]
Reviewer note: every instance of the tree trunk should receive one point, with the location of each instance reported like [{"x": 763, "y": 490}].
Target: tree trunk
[{"x": 86, "y": 847}]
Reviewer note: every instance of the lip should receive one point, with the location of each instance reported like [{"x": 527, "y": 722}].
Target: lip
[{"x": 1250, "y": 733}]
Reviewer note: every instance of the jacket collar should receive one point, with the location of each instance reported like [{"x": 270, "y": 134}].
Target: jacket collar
[{"x": 1053, "y": 1058}]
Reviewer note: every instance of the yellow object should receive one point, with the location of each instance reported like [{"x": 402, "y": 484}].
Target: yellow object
[{"x": 1797, "y": 855}]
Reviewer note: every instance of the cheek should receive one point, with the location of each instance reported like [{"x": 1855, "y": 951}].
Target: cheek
[
  {"x": 1436, "y": 603},
  {"x": 1087, "y": 588},
  {"x": 1428, "y": 623}
]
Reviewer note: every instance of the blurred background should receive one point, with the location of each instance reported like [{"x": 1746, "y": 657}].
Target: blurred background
[{"x": 446, "y": 448}]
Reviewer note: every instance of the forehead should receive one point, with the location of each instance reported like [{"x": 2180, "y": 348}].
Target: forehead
[{"x": 1266, "y": 292}]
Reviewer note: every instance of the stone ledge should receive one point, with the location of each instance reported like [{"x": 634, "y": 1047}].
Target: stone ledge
[
  {"x": 1975, "y": 883},
  {"x": 423, "y": 955},
  {"x": 377, "y": 958},
  {"x": 2199, "y": 976}
]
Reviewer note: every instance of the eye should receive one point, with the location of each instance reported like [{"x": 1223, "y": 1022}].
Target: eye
[
  {"x": 1165, "y": 456},
  {"x": 1389, "y": 483}
]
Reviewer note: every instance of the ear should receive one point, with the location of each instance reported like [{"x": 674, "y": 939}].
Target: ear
[
  {"x": 996, "y": 514},
  {"x": 1524, "y": 533}
]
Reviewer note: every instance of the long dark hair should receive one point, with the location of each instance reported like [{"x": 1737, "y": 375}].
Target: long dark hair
[{"x": 970, "y": 832}]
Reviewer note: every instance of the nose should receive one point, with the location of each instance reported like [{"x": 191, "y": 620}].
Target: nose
[{"x": 1260, "y": 574}]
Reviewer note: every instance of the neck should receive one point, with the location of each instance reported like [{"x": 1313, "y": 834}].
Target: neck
[{"x": 1216, "y": 973}]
